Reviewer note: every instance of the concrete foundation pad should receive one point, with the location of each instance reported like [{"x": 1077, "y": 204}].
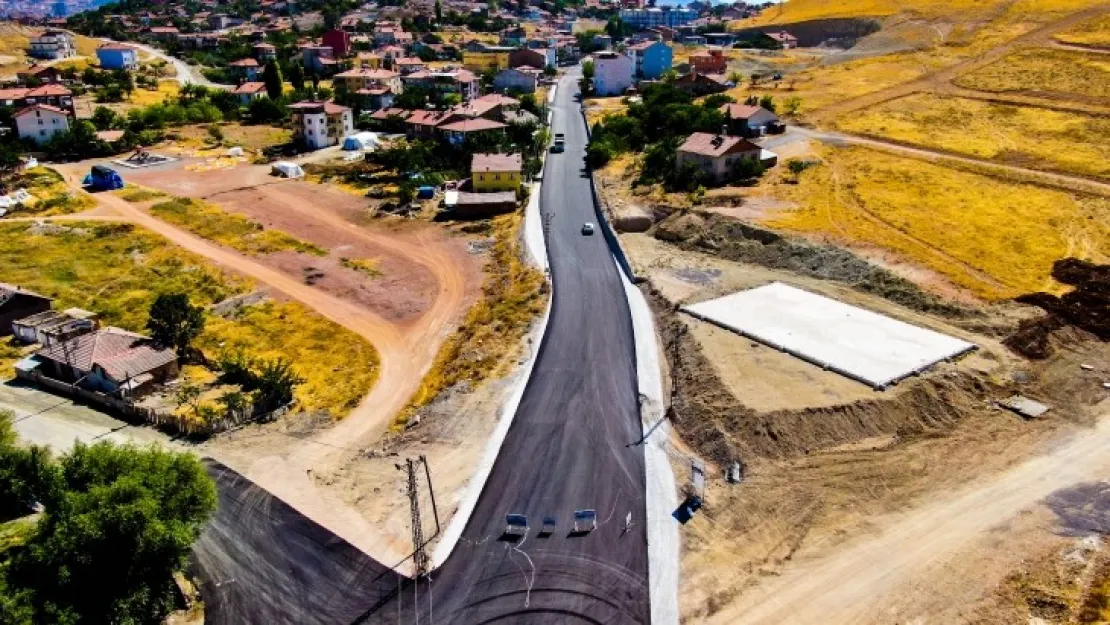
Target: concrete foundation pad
[{"x": 865, "y": 346}]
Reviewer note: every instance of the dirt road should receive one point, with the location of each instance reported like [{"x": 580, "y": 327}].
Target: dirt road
[
  {"x": 406, "y": 352},
  {"x": 851, "y": 583}
]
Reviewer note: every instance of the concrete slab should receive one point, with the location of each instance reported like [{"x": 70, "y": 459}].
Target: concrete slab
[{"x": 865, "y": 346}]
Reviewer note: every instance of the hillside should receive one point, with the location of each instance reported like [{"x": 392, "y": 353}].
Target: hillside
[{"x": 957, "y": 10}]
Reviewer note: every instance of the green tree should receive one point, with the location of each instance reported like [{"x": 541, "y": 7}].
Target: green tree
[
  {"x": 791, "y": 106},
  {"x": 296, "y": 76},
  {"x": 174, "y": 322},
  {"x": 586, "y": 84},
  {"x": 271, "y": 75},
  {"x": 265, "y": 111},
  {"x": 276, "y": 382},
  {"x": 768, "y": 103},
  {"x": 25, "y": 473},
  {"x": 439, "y": 12},
  {"x": 120, "y": 523},
  {"x": 104, "y": 118},
  {"x": 9, "y": 158},
  {"x": 796, "y": 167}
]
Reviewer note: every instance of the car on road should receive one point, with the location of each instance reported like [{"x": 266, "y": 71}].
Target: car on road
[
  {"x": 560, "y": 143},
  {"x": 587, "y": 228}
]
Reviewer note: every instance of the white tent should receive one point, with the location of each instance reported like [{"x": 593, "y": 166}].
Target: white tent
[
  {"x": 361, "y": 141},
  {"x": 286, "y": 169}
]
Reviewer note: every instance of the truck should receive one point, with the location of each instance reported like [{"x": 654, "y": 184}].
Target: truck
[
  {"x": 560, "y": 143},
  {"x": 103, "y": 178}
]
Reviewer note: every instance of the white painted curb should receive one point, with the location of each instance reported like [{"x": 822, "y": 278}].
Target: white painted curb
[
  {"x": 662, "y": 497},
  {"x": 537, "y": 252}
]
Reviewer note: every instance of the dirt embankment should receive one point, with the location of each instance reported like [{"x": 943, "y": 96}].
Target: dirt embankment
[
  {"x": 841, "y": 32},
  {"x": 722, "y": 429},
  {"x": 1086, "y": 307},
  {"x": 736, "y": 241}
]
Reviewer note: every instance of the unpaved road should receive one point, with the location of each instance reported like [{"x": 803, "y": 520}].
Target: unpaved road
[
  {"x": 850, "y": 583},
  {"x": 405, "y": 353}
]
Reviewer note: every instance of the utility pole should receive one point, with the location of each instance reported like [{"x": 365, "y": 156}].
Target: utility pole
[{"x": 419, "y": 555}]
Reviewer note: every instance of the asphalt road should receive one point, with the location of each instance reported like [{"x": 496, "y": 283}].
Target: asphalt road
[{"x": 568, "y": 449}]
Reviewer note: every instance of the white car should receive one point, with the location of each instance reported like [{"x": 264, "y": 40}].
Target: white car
[{"x": 587, "y": 228}]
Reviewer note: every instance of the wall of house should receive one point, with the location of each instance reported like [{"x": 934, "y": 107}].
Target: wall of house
[
  {"x": 612, "y": 76},
  {"x": 496, "y": 181},
  {"x": 657, "y": 61},
  {"x": 18, "y": 307},
  {"x": 514, "y": 80},
  {"x": 484, "y": 61},
  {"x": 41, "y": 126}
]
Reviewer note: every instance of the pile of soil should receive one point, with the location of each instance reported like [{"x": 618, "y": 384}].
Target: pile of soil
[
  {"x": 1086, "y": 307},
  {"x": 721, "y": 429},
  {"x": 737, "y": 241}
]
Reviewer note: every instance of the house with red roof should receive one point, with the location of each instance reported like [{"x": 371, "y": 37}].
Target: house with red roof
[
  {"x": 40, "y": 122},
  {"x": 111, "y": 361}
]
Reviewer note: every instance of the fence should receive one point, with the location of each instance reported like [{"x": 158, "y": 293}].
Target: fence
[{"x": 127, "y": 410}]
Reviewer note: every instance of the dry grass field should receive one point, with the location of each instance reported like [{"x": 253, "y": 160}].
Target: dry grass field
[
  {"x": 803, "y": 10},
  {"x": 1055, "y": 73},
  {"x": 1093, "y": 33},
  {"x": 117, "y": 270},
  {"x": 230, "y": 229},
  {"x": 996, "y": 239},
  {"x": 1020, "y": 135}
]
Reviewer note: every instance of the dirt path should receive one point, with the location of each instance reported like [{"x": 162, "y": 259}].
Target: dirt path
[
  {"x": 1052, "y": 179},
  {"x": 942, "y": 77},
  {"x": 851, "y": 582},
  {"x": 406, "y": 353}
]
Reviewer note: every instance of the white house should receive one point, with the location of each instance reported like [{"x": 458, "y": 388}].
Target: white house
[
  {"x": 40, "y": 122},
  {"x": 321, "y": 124},
  {"x": 53, "y": 44},
  {"x": 612, "y": 73},
  {"x": 523, "y": 79}
]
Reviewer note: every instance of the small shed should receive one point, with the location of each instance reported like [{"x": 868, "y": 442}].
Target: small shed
[{"x": 361, "y": 141}]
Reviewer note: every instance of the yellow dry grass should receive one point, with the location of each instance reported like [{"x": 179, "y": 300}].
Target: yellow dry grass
[
  {"x": 1022, "y": 135},
  {"x": 491, "y": 333},
  {"x": 51, "y": 195},
  {"x": 996, "y": 239},
  {"x": 1095, "y": 32},
  {"x": 365, "y": 266},
  {"x": 167, "y": 89},
  {"x": 1060, "y": 73},
  {"x": 117, "y": 270},
  {"x": 230, "y": 229},
  {"x": 803, "y": 10}
]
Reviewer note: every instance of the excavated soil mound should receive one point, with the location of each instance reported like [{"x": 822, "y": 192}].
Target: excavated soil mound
[
  {"x": 737, "y": 241},
  {"x": 1086, "y": 307},
  {"x": 721, "y": 429}
]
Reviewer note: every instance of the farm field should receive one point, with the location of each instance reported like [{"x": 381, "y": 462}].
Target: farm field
[
  {"x": 1061, "y": 74},
  {"x": 995, "y": 239},
  {"x": 117, "y": 270},
  {"x": 1093, "y": 33},
  {"x": 1018, "y": 135}
]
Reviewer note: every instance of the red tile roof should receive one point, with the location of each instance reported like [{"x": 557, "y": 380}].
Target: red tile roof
[
  {"x": 477, "y": 124},
  {"x": 740, "y": 111},
  {"x": 250, "y": 88},
  {"x": 244, "y": 63},
  {"x": 373, "y": 74},
  {"x": 495, "y": 162},
  {"x": 329, "y": 108},
  {"x": 119, "y": 353},
  {"x": 714, "y": 146},
  {"x": 40, "y": 107}
]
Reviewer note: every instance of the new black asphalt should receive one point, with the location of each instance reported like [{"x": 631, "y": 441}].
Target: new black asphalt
[{"x": 569, "y": 448}]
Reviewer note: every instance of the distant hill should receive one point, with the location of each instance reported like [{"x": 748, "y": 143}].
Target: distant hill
[{"x": 803, "y": 10}]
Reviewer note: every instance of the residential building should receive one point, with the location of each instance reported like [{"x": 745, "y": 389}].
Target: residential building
[
  {"x": 652, "y": 17},
  {"x": 709, "y": 61},
  {"x": 249, "y": 92},
  {"x": 339, "y": 41},
  {"x": 163, "y": 33},
  {"x": 491, "y": 58},
  {"x": 117, "y": 56},
  {"x": 495, "y": 172},
  {"x": 523, "y": 79},
  {"x": 40, "y": 122},
  {"x": 613, "y": 73},
  {"x": 457, "y": 132},
  {"x": 785, "y": 39},
  {"x": 513, "y": 37},
  {"x": 425, "y": 123},
  {"x": 540, "y": 58},
  {"x": 353, "y": 80},
  {"x": 51, "y": 326},
  {"x": 320, "y": 124},
  {"x": 54, "y": 95},
  {"x": 374, "y": 98},
  {"x": 408, "y": 65},
  {"x": 264, "y": 52},
  {"x": 748, "y": 120},
  {"x": 17, "y": 303},
  {"x": 460, "y": 81},
  {"x": 247, "y": 69},
  {"x": 53, "y": 44},
  {"x": 319, "y": 59},
  {"x": 368, "y": 60},
  {"x": 666, "y": 33},
  {"x": 715, "y": 155},
  {"x": 109, "y": 360},
  {"x": 721, "y": 39},
  {"x": 38, "y": 73},
  {"x": 651, "y": 59},
  {"x": 702, "y": 84},
  {"x": 490, "y": 106}
]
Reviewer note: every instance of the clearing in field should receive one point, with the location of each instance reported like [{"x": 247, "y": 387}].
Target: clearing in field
[
  {"x": 996, "y": 239},
  {"x": 230, "y": 229},
  {"x": 1095, "y": 32},
  {"x": 1061, "y": 74},
  {"x": 117, "y": 270},
  {"x": 1018, "y": 135}
]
